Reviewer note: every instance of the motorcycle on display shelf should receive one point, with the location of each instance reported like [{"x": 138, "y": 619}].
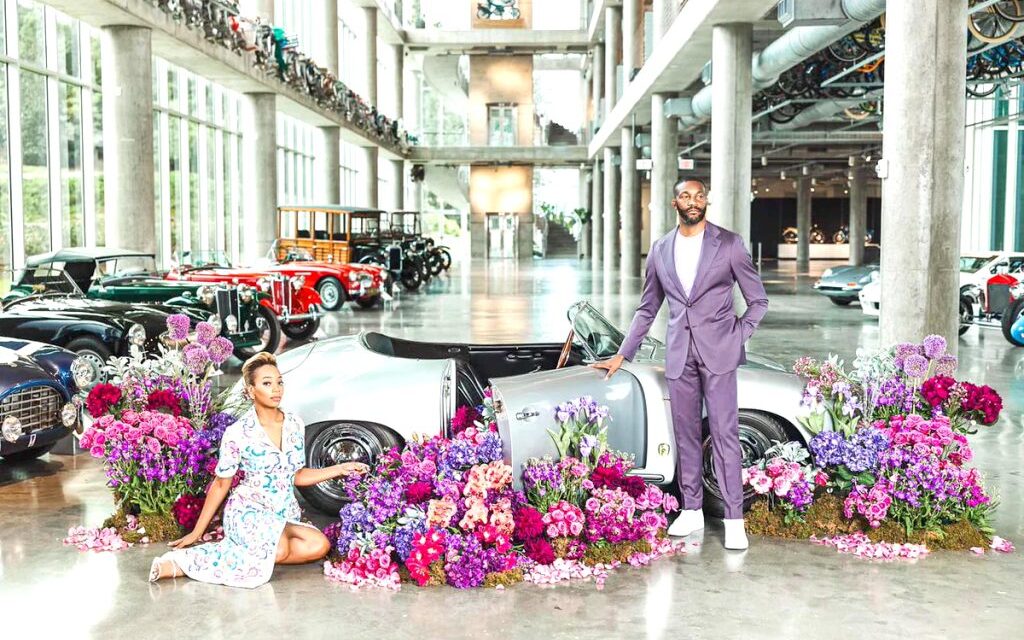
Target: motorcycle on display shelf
[
  {"x": 498, "y": 10},
  {"x": 817, "y": 235},
  {"x": 790, "y": 235}
]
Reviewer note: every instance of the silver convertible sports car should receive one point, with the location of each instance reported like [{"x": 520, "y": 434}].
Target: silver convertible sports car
[{"x": 367, "y": 393}]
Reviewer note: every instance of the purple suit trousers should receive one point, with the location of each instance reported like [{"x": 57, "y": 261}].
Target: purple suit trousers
[{"x": 705, "y": 347}]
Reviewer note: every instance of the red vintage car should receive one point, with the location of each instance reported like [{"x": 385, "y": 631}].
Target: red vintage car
[
  {"x": 296, "y": 305},
  {"x": 336, "y": 282},
  {"x": 987, "y": 306}
]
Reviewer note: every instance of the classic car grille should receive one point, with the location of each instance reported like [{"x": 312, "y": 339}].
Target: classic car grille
[
  {"x": 419, "y": 247},
  {"x": 228, "y": 304},
  {"x": 37, "y": 407},
  {"x": 281, "y": 290},
  {"x": 998, "y": 297},
  {"x": 395, "y": 258},
  {"x": 366, "y": 280}
]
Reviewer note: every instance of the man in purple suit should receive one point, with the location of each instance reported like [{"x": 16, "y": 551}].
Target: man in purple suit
[{"x": 695, "y": 267}]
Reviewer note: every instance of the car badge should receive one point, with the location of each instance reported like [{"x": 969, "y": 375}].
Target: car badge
[{"x": 663, "y": 449}]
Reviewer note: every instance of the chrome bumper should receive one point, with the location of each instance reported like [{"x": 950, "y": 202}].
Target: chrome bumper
[{"x": 314, "y": 313}]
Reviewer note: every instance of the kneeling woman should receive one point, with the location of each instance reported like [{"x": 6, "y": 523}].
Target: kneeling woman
[{"x": 261, "y": 518}]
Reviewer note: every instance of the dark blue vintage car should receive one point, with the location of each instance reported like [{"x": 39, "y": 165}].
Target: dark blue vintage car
[{"x": 36, "y": 388}]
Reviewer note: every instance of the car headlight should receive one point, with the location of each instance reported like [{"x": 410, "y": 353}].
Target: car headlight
[
  {"x": 12, "y": 429},
  {"x": 137, "y": 335},
  {"x": 866, "y": 279},
  {"x": 69, "y": 415},
  {"x": 245, "y": 293},
  {"x": 206, "y": 294},
  {"x": 297, "y": 282},
  {"x": 263, "y": 284},
  {"x": 352, "y": 277},
  {"x": 84, "y": 372},
  {"x": 875, "y": 276},
  {"x": 231, "y": 322},
  {"x": 214, "y": 319},
  {"x": 826, "y": 273}
]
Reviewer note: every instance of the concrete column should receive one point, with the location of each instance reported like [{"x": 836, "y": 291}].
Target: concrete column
[
  {"x": 259, "y": 173},
  {"x": 597, "y": 214},
  {"x": 329, "y": 166},
  {"x": 399, "y": 82},
  {"x": 661, "y": 18},
  {"x": 730, "y": 128},
  {"x": 372, "y": 184},
  {"x": 128, "y": 131},
  {"x": 398, "y": 195},
  {"x": 611, "y": 212},
  {"x": 664, "y": 147},
  {"x": 858, "y": 214},
  {"x": 329, "y": 161},
  {"x": 370, "y": 41},
  {"x": 923, "y": 170},
  {"x": 629, "y": 29},
  {"x": 612, "y": 44},
  {"x": 629, "y": 211},
  {"x": 584, "y": 239},
  {"x": 803, "y": 224},
  {"x": 597, "y": 83}
]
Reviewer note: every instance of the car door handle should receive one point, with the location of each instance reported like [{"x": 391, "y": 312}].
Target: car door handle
[
  {"x": 526, "y": 414},
  {"x": 512, "y": 357}
]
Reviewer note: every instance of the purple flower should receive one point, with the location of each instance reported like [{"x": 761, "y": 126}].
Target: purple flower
[
  {"x": 220, "y": 350},
  {"x": 196, "y": 358},
  {"x": 177, "y": 326},
  {"x": 915, "y": 366},
  {"x": 587, "y": 445},
  {"x": 829, "y": 448},
  {"x": 934, "y": 347},
  {"x": 946, "y": 365},
  {"x": 205, "y": 333}
]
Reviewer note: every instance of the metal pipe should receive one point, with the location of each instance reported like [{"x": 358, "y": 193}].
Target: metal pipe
[
  {"x": 823, "y": 109},
  {"x": 798, "y": 44}
]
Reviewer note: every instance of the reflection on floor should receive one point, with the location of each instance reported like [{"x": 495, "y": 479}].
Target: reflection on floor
[{"x": 777, "y": 589}]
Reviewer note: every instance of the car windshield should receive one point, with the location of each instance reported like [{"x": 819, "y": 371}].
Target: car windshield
[
  {"x": 200, "y": 259},
  {"x": 600, "y": 338},
  {"x": 969, "y": 264},
  {"x": 122, "y": 266},
  {"x": 46, "y": 281}
]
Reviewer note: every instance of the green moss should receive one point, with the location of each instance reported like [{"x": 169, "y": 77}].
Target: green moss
[
  {"x": 825, "y": 518},
  {"x": 159, "y": 527},
  {"x": 609, "y": 553},
  {"x": 503, "y": 578}
]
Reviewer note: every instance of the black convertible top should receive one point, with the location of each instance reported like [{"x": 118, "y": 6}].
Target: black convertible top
[{"x": 83, "y": 254}]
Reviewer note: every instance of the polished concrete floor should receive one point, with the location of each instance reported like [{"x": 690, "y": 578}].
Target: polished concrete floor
[{"x": 777, "y": 589}]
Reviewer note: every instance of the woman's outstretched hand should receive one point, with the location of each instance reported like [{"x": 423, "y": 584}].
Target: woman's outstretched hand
[
  {"x": 187, "y": 540},
  {"x": 611, "y": 365},
  {"x": 353, "y": 468}
]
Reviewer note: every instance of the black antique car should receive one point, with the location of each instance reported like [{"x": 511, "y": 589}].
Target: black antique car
[
  {"x": 56, "y": 312},
  {"x": 36, "y": 388},
  {"x": 123, "y": 275}
]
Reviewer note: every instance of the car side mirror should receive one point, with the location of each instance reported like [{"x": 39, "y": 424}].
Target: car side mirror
[{"x": 1002, "y": 267}]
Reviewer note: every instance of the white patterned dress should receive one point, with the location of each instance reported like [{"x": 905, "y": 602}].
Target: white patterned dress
[{"x": 257, "y": 510}]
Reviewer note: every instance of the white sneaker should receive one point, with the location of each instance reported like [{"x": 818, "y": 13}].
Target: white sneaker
[
  {"x": 689, "y": 520},
  {"x": 735, "y": 535}
]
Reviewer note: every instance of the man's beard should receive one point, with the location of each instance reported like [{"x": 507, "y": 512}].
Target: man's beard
[{"x": 692, "y": 216}]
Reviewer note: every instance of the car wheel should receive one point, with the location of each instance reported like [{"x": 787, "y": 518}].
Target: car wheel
[
  {"x": 758, "y": 433},
  {"x": 368, "y": 302},
  {"x": 436, "y": 264},
  {"x": 29, "y": 454},
  {"x": 301, "y": 330},
  {"x": 1012, "y": 315},
  {"x": 841, "y": 302},
  {"x": 446, "y": 259},
  {"x": 269, "y": 332},
  {"x": 331, "y": 294},
  {"x": 336, "y": 442},
  {"x": 93, "y": 351},
  {"x": 966, "y": 316},
  {"x": 411, "y": 278}
]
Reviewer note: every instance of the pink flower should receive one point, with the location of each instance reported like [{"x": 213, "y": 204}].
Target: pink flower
[{"x": 552, "y": 531}]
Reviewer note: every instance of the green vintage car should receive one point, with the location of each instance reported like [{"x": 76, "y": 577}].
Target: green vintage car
[{"x": 122, "y": 275}]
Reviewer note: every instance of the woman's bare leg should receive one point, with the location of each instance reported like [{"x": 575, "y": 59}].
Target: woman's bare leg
[
  {"x": 299, "y": 545},
  {"x": 169, "y": 569}
]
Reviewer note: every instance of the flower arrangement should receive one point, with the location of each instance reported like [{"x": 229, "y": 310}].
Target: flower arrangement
[
  {"x": 156, "y": 429},
  {"x": 444, "y": 511},
  {"x": 886, "y": 467}
]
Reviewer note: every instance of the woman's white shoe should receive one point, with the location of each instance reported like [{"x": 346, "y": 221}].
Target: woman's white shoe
[
  {"x": 735, "y": 535},
  {"x": 154, "y": 568},
  {"x": 689, "y": 520}
]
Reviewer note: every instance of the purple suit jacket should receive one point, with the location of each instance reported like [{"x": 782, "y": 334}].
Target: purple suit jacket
[{"x": 707, "y": 314}]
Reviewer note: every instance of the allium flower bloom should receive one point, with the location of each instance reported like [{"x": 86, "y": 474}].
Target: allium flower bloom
[
  {"x": 196, "y": 358},
  {"x": 946, "y": 365},
  {"x": 934, "y": 347},
  {"x": 205, "y": 333},
  {"x": 915, "y": 366},
  {"x": 177, "y": 326},
  {"x": 220, "y": 350}
]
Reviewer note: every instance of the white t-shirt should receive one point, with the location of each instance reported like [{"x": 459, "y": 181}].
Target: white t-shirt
[{"x": 687, "y": 258}]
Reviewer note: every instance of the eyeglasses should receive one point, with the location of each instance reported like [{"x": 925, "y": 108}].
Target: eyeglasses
[{"x": 686, "y": 197}]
